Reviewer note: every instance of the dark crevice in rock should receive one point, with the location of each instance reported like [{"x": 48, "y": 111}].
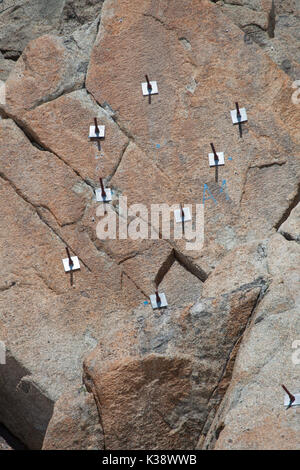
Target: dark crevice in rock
[
  {"x": 12, "y": 8},
  {"x": 70, "y": 12},
  {"x": 186, "y": 43},
  {"x": 37, "y": 145},
  {"x": 10, "y": 54},
  {"x": 189, "y": 266},
  {"x": 271, "y": 21},
  {"x": 76, "y": 13},
  {"x": 123, "y": 129},
  {"x": 61, "y": 239},
  {"x": 90, "y": 386},
  {"x": 36, "y": 210},
  {"x": 217, "y": 395},
  {"x": 36, "y": 206},
  {"x": 260, "y": 167},
  {"x": 184, "y": 262},
  {"x": 34, "y": 140},
  {"x": 135, "y": 284},
  {"x": 89, "y": 56},
  {"x": 103, "y": 250},
  {"x": 164, "y": 268},
  {"x": 47, "y": 283},
  {"x": 55, "y": 96},
  {"x": 287, "y": 212},
  {"x": 113, "y": 115},
  {"x": 126, "y": 258},
  {"x": 267, "y": 165},
  {"x": 10, "y": 439},
  {"x": 25, "y": 408},
  {"x": 248, "y": 28},
  {"x": 259, "y": 282},
  {"x": 289, "y": 237},
  {"x": 25, "y": 198},
  {"x": 148, "y": 15},
  {"x": 7, "y": 287},
  {"x": 219, "y": 430},
  {"x": 270, "y": 16},
  {"x": 235, "y": 5},
  {"x": 119, "y": 161}
]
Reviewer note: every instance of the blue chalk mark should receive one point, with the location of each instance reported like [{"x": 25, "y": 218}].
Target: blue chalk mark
[
  {"x": 229, "y": 158},
  {"x": 206, "y": 198},
  {"x": 224, "y": 188},
  {"x": 157, "y": 146},
  {"x": 146, "y": 302}
]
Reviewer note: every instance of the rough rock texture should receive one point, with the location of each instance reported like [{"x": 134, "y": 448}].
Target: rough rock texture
[
  {"x": 77, "y": 13},
  {"x": 5, "y": 67},
  {"x": 23, "y": 21},
  {"x": 30, "y": 83},
  {"x": 54, "y": 316},
  {"x": 92, "y": 366},
  {"x": 290, "y": 229},
  {"x": 187, "y": 105},
  {"x": 75, "y": 423},
  {"x": 164, "y": 400},
  {"x": 273, "y": 24},
  {"x": 252, "y": 415},
  {"x": 71, "y": 25}
]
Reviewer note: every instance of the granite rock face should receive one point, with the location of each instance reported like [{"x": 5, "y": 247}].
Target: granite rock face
[
  {"x": 290, "y": 229},
  {"x": 5, "y": 67},
  {"x": 171, "y": 381},
  {"x": 89, "y": 363},
  {"x": 252, "y": 415},
  {"x": 70, "y": 24},
  {"x": 273, "y": 24},
  {"x": 22, "y": 22},
  {"x": 75, "y": 423},
  {"x": 31, "y": 84}
]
